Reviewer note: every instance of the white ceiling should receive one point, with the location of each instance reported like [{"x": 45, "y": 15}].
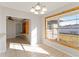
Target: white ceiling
[{"x": 26, "y": 6}]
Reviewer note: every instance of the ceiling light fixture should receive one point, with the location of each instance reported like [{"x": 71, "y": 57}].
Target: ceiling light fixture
[
  {"x": 38, "y": 9},
  {"x": 36, "y": 12},
  {"x": 32, "y": 10}
]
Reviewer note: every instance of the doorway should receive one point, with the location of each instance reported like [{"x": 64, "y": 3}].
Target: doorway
[{"x": 17, "y": 32}]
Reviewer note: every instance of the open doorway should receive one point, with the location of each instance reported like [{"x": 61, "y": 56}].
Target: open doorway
[{"x": 17, "y": 32}]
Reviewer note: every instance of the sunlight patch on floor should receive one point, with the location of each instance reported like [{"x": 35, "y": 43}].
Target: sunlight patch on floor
[
  {"x": 29, "y": 48},
  {"x": 16, "y": 46}
]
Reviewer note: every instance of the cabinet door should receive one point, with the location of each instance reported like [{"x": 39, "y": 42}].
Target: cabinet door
[{"x": 26, "y": 27}]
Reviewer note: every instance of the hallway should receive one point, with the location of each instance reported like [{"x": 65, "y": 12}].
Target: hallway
[{"x": 20, "y": 48}]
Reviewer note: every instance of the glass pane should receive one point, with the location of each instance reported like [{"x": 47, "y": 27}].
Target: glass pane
[
  {"x": 77, "y": 16},
  {"x": 68, "y": 18},
  {"x": 66, "y": 23},
  {"x": 52, "y": 29},
  {"x": 64, "y": 31},
  {"x": 77, "y": 21}
]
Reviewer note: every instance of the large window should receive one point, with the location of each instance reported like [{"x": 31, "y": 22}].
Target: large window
[
  {"x": 69, "y": 24},
  {"x": 52, "y": 29},
  {"x": 65, "y": 29},
  {"x": 69, "y": 30}
]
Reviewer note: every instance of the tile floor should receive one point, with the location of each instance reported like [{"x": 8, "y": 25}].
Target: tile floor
[{"x": 19, "y": 47}]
